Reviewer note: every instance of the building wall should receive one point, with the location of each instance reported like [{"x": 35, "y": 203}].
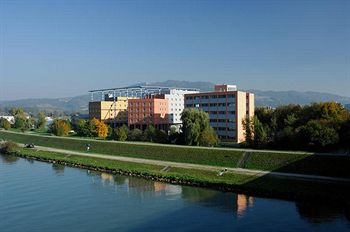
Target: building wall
[
  {"x": 176, "y": 104},
  {"x": 241, "y": 114},
  {"x": 148, "y": 111},
  {"x": 107, "y": 111},
  {"x": 226, "y": 110}
]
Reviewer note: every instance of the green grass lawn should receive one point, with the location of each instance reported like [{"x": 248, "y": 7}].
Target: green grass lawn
[
  {"x": 227, "y": 158},
  {"x": 325, "y": 165}
]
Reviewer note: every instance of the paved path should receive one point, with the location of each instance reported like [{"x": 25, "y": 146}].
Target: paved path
[{"x": 200, "y": 166}]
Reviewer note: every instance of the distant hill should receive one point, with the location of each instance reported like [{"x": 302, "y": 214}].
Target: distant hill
[{"x": 262, "y": 98}]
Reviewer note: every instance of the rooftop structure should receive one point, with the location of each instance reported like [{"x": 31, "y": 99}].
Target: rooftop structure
[{"x": 138, "y": 91}]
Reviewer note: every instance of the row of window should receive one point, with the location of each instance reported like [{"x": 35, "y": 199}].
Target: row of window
[
  {"x": 214, "y": 120},
  {"x": 223, "y": 104},
  {"x": 210, "y": 97},
  {"x": 224, "y": 129},
  {"x": 227, "y": 137},
  {"x": 222, "y": 112}
]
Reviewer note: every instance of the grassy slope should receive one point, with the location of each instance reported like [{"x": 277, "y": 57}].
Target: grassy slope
[
  {"x": 167, "y": 153},
  {"x": 326, "y": 165},
  {"x": 264, "y": 186}
]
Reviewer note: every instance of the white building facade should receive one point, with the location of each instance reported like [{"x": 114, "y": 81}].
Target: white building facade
[{"x": 176, "y": 103}]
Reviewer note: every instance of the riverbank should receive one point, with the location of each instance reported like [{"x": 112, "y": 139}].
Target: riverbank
[
  {"x": 263, "y": 186},
  {"x": 296, "y": 162}
]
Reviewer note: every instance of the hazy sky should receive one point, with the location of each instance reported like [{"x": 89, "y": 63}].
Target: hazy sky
[{"x": 64, "y": 48}]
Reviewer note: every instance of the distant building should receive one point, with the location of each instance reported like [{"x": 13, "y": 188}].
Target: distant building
[
  {"x": 10, "y": 119},
  {"x": 126, "y": 106},
  {"x": 227, "y": 107},
  {"x": 110, "y": 111},
  {"x": 152, "y": 110}
]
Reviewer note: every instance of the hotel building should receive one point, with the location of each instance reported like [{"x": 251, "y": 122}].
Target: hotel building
[
  {"x": 152, "y": 110},
  {"x": 227, "y": 107}
]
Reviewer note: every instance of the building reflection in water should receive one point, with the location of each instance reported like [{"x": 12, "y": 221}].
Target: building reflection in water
[
  {"x": 229, "y": 202},
  {"x": 243, "y": 203},
  {"x": 143, "y": 188}
]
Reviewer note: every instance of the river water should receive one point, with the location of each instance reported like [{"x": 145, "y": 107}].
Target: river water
[{"x": 36, "y": 196}]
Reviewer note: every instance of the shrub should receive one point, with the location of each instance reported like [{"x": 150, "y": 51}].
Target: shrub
[
  {"x": 5, "y": 124},
  {"x": 8, "y": 147}
]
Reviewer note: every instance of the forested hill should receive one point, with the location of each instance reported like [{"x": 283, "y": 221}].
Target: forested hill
[{"x": 262, "y": 98}]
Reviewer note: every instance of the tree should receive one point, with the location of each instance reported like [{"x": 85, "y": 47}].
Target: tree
[
  {"x": 344, "y": 134},
  {"x": 149, "y": 134},
  {"x": 81, "y": 127},
  {"x": 60, "y": 127},
  {"x": 22, "y": 123},
  {"x": 101, "y": 130},
  {"x": 256, "y": 133},
  {"x": 16, "y": 111},
  {"x": 248, "y": 127},
  {"x": 318, "y": 136},
  {"x": 194, "y": 122},
  {"x": 5, "y": 124},
  {"x": 260, "y": 134},
  {"x": 135, "y": 135},
  {"x": 161, "y": 136},
  {"x": 41, "y": 121},
  {"x": 208, "y": 138},
  {"x": 121, "y": 133}
]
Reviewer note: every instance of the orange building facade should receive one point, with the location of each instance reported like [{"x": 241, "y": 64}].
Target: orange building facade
[
  {"x": 227, "y": 108},
  {"x": 148, "y": 111}
]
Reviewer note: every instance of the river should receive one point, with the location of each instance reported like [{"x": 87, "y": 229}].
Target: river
[{"x": 37, "y": 196}]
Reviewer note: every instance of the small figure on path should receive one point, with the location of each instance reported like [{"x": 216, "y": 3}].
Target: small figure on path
[
  {"x": 87, "y": 147},
  {"x": 222, "y": 172}
]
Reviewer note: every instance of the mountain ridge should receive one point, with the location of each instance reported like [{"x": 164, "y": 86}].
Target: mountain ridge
[{"x": 268, "y": 98}]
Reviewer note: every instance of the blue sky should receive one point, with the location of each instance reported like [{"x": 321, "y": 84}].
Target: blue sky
[{"x": 64, "y": 48}]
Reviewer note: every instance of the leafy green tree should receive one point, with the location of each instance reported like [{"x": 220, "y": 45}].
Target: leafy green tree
[
  {"x": 16, "y": 112},
  {"x": 208, "y": 138},
  {"x": 41, "y": 120},
  {"x": 121, "y": 133},
  {"x": 194, "y": 122},
  {"x": 260, "y": 134},
  {"x": 318, "y": 136},
  {"x": 135, "y": 135},
  {"x": 81, "y": 128},
  {"x": 149, "y": 134},
  {"x": 161, "y": 136},
  {"x": 5, "y": 124},
  {"x": 248, "y": 127},
  {"x": 344, "y": 134},
  {"x": 22, "y": 123}
]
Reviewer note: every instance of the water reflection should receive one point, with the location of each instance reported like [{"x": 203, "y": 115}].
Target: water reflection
[
  {"x": 239, "y": 204},
  {"x": 58, "y": 168},
  {"x": 244, "y": 202},
  {"x": 322, "y": 212},
  {"x": 9, "y": 159}
]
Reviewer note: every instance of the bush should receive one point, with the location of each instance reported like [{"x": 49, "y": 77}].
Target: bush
[
  {"x": 8, "y": 147},
  {"x": 121, "y": 133},
  {"x": 5, "y": 124},
  {"x": 135, "y": 135},
  {"x": 60, "y": 127}
]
